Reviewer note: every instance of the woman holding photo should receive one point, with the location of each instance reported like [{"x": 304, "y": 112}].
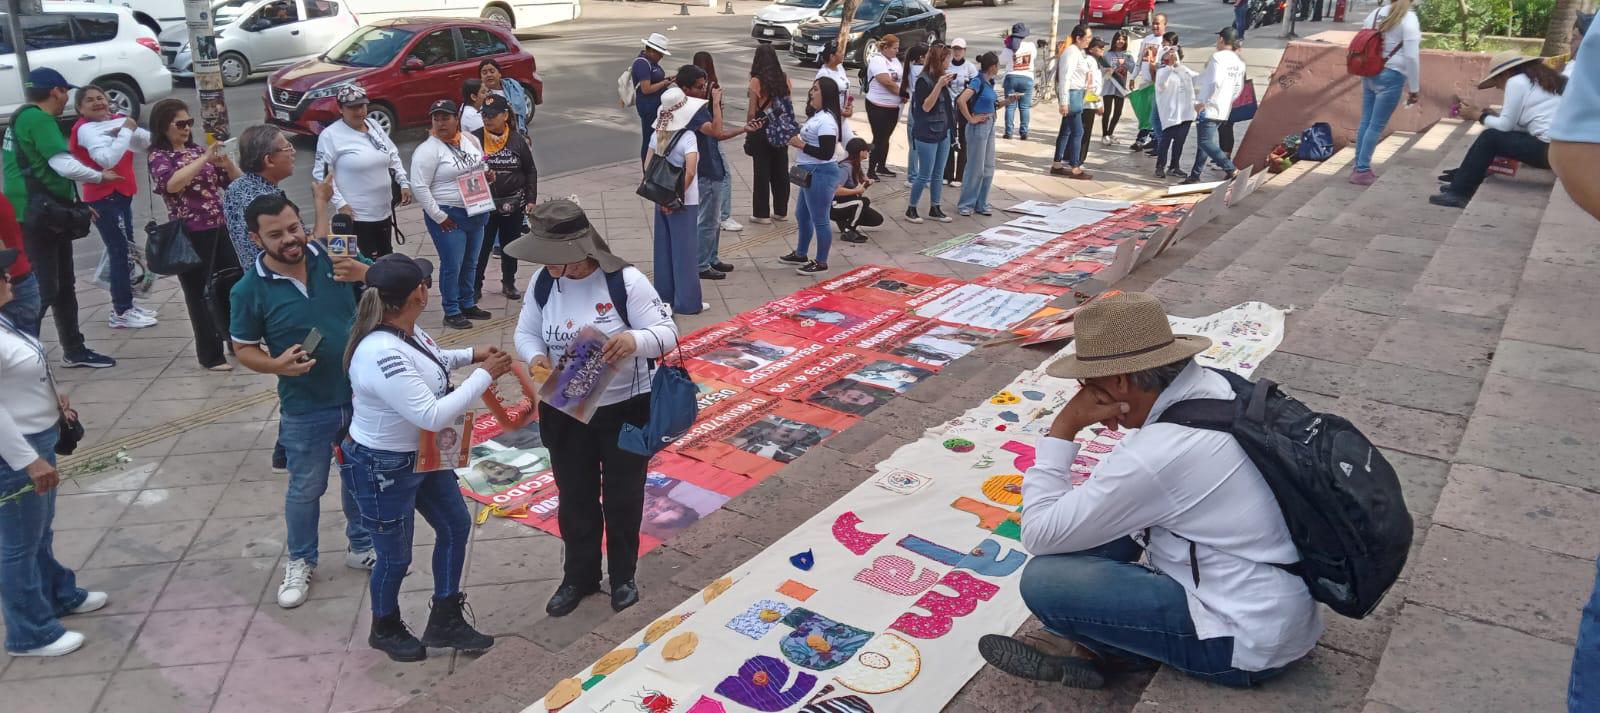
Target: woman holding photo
[
  {"x": 580, "y": 275},
  {"x": 440, "y": 166}
]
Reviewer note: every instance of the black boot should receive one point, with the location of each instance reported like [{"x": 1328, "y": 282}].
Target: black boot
[
  {"x": 568, "y": 597},
  {"x": 448, "y": 627},
  {"x": 390, "y": 635}
]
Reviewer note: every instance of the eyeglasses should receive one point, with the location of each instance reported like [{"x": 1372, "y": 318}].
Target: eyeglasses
[
  {"x": 184, "y": 123},
  {"x": 285, "y": 147}
]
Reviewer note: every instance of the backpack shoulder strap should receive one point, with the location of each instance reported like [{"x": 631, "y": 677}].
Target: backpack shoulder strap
[
  {"x": 542, "y": 284},
  {"x": 1207, "y": 414},
  {"x": 617, "y": 286}
]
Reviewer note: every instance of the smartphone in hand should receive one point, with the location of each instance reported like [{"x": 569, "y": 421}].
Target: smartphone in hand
[{"x": 310, "y": 343}]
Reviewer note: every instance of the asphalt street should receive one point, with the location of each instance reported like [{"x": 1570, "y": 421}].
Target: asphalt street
[{"x": 580, "y": 125}]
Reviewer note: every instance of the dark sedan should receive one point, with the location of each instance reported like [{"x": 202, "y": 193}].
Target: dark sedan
[{"x": 912, "y": 21}]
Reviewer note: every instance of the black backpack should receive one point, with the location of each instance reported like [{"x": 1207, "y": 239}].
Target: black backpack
[{"x": 1340, "y": 498}]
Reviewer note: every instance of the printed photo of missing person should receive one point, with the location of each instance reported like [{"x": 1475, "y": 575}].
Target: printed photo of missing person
[
  {"x": 1060, "y": 279},
  {"x": 851, "y": 396},
  {"x": 825, "y": 316},
  {"x": 672, "y": 505},
  {"x": 899, "y": 287},
  {"x": 746, "y": 354},
  {"x": 779, "y": 438},
  {"x": 891, "y": 375},
  {"x": 496, "y": 469}
]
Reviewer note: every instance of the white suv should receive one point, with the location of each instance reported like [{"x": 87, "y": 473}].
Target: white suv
[
  {"x": 255, "y": 36},
  {"x": 88, "y": 44}
]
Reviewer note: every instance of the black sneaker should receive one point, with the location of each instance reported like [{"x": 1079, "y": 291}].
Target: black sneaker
[
  {"x": 794, "y": 258},
  {"x": 983, "y": 213},
  {"x": 1448, "y": 200},
  {"x": 87, "y": 358},
  {"x": 722, "y": 266},
  {"x": 851, "y": 236},
  {"x": 476, "y": 313},
  {"x": 567, "y": 598},
  {"x": 390, "y": 635},
  {"x": 1007, "y": 136},
  {"x": 280, "y": 461},
  {"x": 937, "y": 213},
  {"x": 1023, "y": 661},
  {"x": 812, "y": 268},
  {"x": 712, "y": 275},
  {"x": 450, "y": 626},
  {"x": 1189, "y": 179},
  {"x": 1023, "y": 135},
  {"x": 510, "y": 291},
  {"x": 911, "y": 215},
  {"x": 1161, "y": 172},
  {"x": 456, "y": 321},
  {"x": 884, "y": 171}
]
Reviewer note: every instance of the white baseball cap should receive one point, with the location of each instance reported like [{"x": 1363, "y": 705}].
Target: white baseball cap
[{"x": 958, "y": 42}]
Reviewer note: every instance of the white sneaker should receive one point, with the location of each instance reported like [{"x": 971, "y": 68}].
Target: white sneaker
[
  {"x": 363, "y": 559},
  {"x": 146, "y": 311},
  {"x": 732, "y": 225},
  {"x": 66, "y": 644},
  {"x": 296, "y": 584},
  {"x": 95, "y": 601},
  {"x": 131, "y": 319}
]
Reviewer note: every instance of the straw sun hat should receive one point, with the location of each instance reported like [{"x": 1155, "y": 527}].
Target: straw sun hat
[
  {"x": 1503, "y": 62},
  {"x": 1122, "y": 334}
]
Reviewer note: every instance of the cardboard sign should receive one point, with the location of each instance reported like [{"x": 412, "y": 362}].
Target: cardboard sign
[
  {"x": 446, "y": 449},
  {"x": 475, "y": 195}
]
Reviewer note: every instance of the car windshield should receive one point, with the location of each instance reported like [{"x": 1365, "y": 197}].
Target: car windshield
[
  {"x": 369, "y": 47},
  {"x": 802, "y": 3},
  {"x": 867, "y": 10},
  {"x": 230, "y": 11}
]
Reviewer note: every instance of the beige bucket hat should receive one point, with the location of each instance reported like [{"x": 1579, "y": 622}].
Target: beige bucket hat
[
  {"x": 560, "y": 234},
  {"x": 1503, "y": 62},
  {"x": 1122, "y": 334}
]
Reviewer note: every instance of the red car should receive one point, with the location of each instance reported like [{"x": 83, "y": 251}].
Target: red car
[
  {"x": 403, "y": 64},
  {"x": 1117, "y": 13}
]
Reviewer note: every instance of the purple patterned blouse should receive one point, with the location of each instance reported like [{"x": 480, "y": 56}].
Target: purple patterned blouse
[{"x": 199, "y": 204}]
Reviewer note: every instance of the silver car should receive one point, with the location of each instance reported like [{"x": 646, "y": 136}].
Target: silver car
[{"x": 256, "y": 36}]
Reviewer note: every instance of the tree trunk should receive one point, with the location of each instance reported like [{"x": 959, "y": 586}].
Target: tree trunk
[
  {"x": 1466, "y": 18},
  {"x": 845, "y": 20},
  {"x": 1558, "y": 35}
]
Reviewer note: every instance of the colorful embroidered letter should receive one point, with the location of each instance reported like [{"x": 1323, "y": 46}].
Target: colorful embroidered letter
[
  {"x": 936, "y": 552},
  {"x": 820, "y": 643},
  {"x": 989, "y": 516},
  {"x": 858, "y": 542},
  {"x": 707, "y": 705},
  {"x": 759, "y": 619},
  {"x": 944, "y": 609},
  {"x": 984, "y": 560},
  {"x": 842, "y": 704},
  {"x": 1012, "y": 527},
  {"x": 894, "y": 574},
  {"x": 1004, "y": 489},
  {"x": 795, "y": 590},
  {"x": 759, "y": 685},
  {"x": 1024, "y": 459}
]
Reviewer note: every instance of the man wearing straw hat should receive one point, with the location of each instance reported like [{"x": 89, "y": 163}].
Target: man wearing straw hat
[{"x": 1210, "y": 603}]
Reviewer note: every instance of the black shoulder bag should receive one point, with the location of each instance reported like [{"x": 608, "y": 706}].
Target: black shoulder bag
[
  {"x": 663, "y": 182},
  {"x": 46, "y": 211},
  {"x": 166, "y": 249}
]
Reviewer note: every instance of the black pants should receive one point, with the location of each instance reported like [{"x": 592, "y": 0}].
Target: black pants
[
  {"x": 1518, "y": 145},
  {"x": 853, "y": 212},
  {"x": 1111, "y": 115},
  {"x": 771, "y": 180},
  {"x": 882, "y": 119},
  {"x": 956, "y": 165},
  {"x": 1171, "y": 145},
  {"x": 376, "y": 237},
  {"x": 1225, "y": 137},
  {"x": 208, "y": 343},
  {"x": 504, "y": 228},
  {"x": 602, "y": 489},
  {"x": 1088, "y": 116},
  {"x": 51, "y": 256}
]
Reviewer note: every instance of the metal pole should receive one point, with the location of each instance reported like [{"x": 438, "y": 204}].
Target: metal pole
[
  {"x": 14, "y": 23},
  {"x": 207, "y": 71},
  {"x": 1055, "y": 30},
  {"x": 1291, "y": 9}
]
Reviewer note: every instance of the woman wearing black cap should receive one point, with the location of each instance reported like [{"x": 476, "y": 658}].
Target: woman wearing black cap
[
  {"x": 443, "y": 168},
  {"x": 583, "y": 283},
  {"x": 515, "y": 188},
  {"x": 401, "y": 383}
]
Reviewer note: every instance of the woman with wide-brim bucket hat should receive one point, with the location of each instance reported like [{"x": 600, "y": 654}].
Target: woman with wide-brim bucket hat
[
  {"x": 676, "y": 230},
  {"x": 649, "y": 81},
  {"x": 1519, "y": 130},
  {"x": 584, "y": 283}
]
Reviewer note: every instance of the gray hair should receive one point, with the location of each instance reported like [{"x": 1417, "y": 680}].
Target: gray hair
[
  {"x": 1159, "y": 378},
  {"x": 255, "y": 145}
]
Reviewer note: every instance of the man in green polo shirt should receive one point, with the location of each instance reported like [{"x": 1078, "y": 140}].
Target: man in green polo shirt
[{"x": 295, "y": 287}]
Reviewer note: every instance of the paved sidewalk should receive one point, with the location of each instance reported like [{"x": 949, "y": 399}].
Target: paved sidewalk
[{"x": 187, "y": 535}]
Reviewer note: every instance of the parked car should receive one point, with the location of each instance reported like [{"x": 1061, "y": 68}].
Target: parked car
[
  {"x": 518, "y": 14},
  {"x": 154, "y": 14},
  {"x": 404, "y": 65},
  {"x": 912, "y": 21},
  {"x": 1117, "y": 13},
  {"x": 88, "y": 44},
  {"x": 778, "y": 22},
  {"x": 261, "y": 35}
]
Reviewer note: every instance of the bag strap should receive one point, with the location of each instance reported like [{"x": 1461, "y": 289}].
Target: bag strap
[
  {"x": 24, "y": 165},
  {"x": 412, "y": 342}
]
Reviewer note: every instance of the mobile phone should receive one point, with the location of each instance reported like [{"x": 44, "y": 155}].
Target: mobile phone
[{"x": 310, "y": 343}]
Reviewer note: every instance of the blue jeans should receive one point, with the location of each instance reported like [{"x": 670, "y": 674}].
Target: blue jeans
[
  {"x": 307, "y": 440},
  {"x": 979, "y": 176},
  {"x": 458, "y": 257},
  {"x": 1018, "y": 84},
  {"x": 1583, "y": 691},
  {"x": 35, "y": 590},
  {"x": 389, "y": 493},
  {"x": 708, "y": 223},
  {"x": 929, "y": 172},
  {"x": 677, "y": 258},
  {"x": 1379, "y": 97},
  {"x": 1206, "y": 146},
  {"x": 1241, "y": 17},
  {"x": 115, "y": 223},
  {"x": 24, "y": 308},
  {"x": 1069, "y": 140},
  {"x": 814, "y": 207},
  {"x": 1104, "y": 600},
  {"x": 727, "y": 191},
  {"x": 911, "y": 145}
]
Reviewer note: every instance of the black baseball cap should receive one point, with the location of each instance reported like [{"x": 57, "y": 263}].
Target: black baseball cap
[
  {"x": 495, "y": 105},
  {"x": 396, "y": 276},
  {"x": 443, "y": 106}
]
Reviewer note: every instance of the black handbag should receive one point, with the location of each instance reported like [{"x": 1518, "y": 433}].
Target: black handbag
[
  {"x": 69, "y": 429},
  {"x": 663, "y": 182},
  {"x": 799, "y": 176},
  {"x": 167, "y": 250},
  {"x": 47, "y": 212},
  {"x": 219, "y": 288}
]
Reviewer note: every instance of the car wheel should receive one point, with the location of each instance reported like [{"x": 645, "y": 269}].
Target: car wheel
[
  {"x": 235, "y": 69},
  {"x": 122, "y": 97},
  {"x": 954, "y": 3},
  {"x": 383, "y": 116},
  {"x": 495, "y": 13}
]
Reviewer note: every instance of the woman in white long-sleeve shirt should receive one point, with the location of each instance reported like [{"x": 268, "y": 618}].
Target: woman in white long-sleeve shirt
[
  {"x": 1402, "y": 72},
  {"x": 1520, "y": 130},
  {"x": 583, "y": 283},
  {"x": 441, "y": 166},
  {"x": 34, "y": 587},
  {"x": 366, "y": 167},
  {"x": 1074, "y": 74},
  {"x": 101, "y": 139},
  {"x": 401, "y": 393},
  {"x": 1175, "y": 104}
]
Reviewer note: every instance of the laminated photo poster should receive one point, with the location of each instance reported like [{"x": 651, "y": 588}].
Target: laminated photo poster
[{"x": 876, "y": 604}]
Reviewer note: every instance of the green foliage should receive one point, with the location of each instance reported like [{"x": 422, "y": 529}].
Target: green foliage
[{"x": 1498, "y": 18}]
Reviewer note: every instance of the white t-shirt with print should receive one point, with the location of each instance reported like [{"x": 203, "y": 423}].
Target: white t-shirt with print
[
  {"x": 680, "y": 153},
  {"x": 550, "y": 329},
  {"x": 1020, "y": 60},
  {"x": 876, "y": 92},
  {"x": 819, "y": 125}
]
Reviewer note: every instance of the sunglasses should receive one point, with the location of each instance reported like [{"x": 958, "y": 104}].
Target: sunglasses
[{"x": 184, "y": 124}]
